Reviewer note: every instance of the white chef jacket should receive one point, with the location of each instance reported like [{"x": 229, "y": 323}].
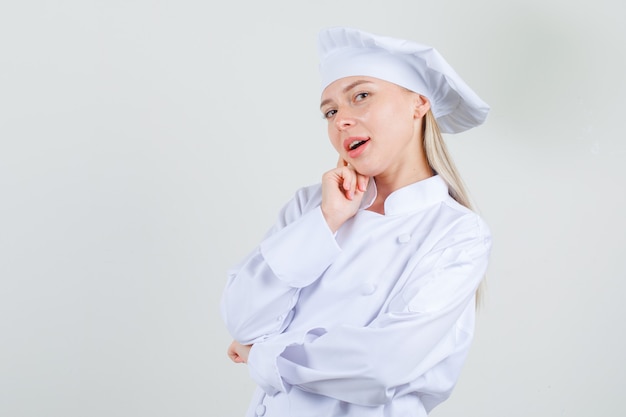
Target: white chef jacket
[{"x": 374, "y": 320}]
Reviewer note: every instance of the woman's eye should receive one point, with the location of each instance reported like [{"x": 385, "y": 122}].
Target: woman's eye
[
  {"x": 329, "y": 114},
  {"x": 361, "y": 96}
]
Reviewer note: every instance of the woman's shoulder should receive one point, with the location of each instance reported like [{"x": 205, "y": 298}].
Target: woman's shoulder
[
  {"x": 304, "y": 199},
  {"x": 309, "y": 194},
  {"x": 464, "y": 224}
]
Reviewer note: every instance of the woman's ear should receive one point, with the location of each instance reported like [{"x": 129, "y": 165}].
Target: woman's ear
[{"x": 422, "y": 105}]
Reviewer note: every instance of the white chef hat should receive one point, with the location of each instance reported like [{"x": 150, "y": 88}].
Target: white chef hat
[{"x": 347, "y": 52}]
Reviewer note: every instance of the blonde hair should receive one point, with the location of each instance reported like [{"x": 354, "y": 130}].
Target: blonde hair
[{"x": 441, "y": 162}]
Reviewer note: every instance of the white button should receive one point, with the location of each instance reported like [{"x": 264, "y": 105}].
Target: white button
[
  {"x": 260, "y": 410},
  {"x": 368, "y": 289},
  {"x": 404, "y": 238}
]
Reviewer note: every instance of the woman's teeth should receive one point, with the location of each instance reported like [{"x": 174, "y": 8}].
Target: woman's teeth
[{"x": 356, "y": 144}]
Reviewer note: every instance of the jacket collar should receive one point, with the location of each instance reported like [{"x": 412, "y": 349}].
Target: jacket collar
[{"x": 413, "y": 197}]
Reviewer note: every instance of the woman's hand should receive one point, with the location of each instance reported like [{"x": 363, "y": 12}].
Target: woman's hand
[
  {"x": 342, "y": 192},
  {"x": 239, "y": 353}
]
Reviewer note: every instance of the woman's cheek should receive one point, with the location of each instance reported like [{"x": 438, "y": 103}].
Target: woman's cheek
[{"x": 335, "y": 140}]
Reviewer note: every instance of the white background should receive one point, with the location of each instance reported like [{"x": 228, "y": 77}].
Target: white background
[{"x": 145, "y": 147}]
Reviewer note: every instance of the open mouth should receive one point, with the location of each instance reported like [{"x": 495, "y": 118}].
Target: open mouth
[{"x": 356, "y": 144}]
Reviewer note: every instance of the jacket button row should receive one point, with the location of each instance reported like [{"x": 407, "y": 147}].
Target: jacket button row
[{"x": 260, "y": 410}]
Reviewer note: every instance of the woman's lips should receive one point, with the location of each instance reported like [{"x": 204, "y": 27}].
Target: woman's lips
[
  {"x": 354, "y": 142},
  {"x": 355, "y": 146}
]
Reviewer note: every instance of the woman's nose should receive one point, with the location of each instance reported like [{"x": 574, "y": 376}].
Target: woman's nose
[{"x": 344, "y": 119}]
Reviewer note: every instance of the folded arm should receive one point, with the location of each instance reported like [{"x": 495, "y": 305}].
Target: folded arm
[{"x": 369, "y": 365}]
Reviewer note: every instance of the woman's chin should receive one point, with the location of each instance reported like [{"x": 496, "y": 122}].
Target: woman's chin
[{"x": 368, "y": 171}]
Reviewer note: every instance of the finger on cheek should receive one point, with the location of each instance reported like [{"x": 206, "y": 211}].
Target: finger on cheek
[
  {"x": 362, "y": 183},
  {"x": 347, "y": 186}
]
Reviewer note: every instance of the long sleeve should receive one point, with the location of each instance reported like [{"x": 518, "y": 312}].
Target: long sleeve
[
  {"x": 263, "y": 289},
  {"x": 427, "y": 320}
]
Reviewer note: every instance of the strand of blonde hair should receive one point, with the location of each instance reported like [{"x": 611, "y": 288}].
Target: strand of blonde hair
[{"x": 441, "y": 162}]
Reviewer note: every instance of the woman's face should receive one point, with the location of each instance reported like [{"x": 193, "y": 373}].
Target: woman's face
[{"x": 374, "y": 125}]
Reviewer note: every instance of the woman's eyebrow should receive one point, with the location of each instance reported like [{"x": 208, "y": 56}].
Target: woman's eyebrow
[{"x": 346, "y": 89}]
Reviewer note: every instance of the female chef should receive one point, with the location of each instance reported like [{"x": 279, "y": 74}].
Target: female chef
[{"x": 360, "y": 300}]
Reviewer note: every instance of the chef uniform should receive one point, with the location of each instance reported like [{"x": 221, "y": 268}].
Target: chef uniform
[{"x": 377, "y": 318}]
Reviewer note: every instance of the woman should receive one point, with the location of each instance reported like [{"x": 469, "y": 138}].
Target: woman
[{"x": 360, "y": 301}]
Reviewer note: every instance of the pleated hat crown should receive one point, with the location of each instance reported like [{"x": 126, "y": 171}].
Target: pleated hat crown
[{"x": 420, "y": 68}]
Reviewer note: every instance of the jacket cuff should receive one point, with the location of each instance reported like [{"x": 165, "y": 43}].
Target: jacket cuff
[
  {"x": 263, "y": 366},
  {"x": 299, "y": 253}
]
